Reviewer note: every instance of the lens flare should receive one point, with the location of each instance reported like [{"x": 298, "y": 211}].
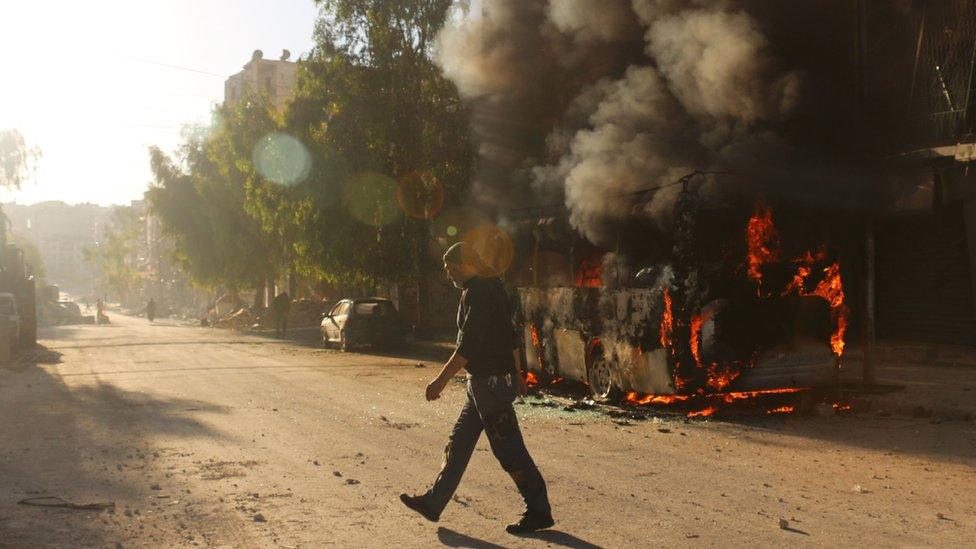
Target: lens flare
[
  {"x": 281, "y": 158},
  {"x": 494, "y": 246},
  {"x": 420, "y": 195},
  {"x": 452, "y": 222},
  {"x": 370, "y": 197}
]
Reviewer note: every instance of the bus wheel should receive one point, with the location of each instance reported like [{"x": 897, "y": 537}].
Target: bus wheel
[{"x": 600, "y": 377}]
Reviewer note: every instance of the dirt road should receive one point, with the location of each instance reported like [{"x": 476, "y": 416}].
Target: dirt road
[{"x": 204, "y": 437}]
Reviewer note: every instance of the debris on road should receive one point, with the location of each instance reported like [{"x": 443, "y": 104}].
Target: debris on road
[
  {"x": 259, "y": 518},
  {"x": 54, "y": 501}
]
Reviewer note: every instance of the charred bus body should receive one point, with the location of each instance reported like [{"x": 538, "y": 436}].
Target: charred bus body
[{"x": 722, "y": 303}]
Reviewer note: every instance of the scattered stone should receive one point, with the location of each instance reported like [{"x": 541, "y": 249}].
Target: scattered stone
[
  {"x": 259, "y": 518},
  {"x": 351, "y": 481},
  {"x": 155, "y": 487},
  {"x": 420, "y": 365},
  {"x": 337, "y": 473},
  {"x": 316, "y": 463},
  {"x": 784, "y": 524},
  {"x": 861, "y": 490},
  {"x": 664, "y": 430}
]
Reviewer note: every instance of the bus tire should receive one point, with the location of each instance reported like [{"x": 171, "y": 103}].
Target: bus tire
[{"x": 599, "y": 376}]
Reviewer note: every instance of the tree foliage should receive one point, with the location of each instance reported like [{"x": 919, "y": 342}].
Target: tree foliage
[
  {"x": 16, "y": 159},
  {"x": 115, "y": 255},
  {"x": 380, "y": 119},
  {"x": 206, "y": 203},
  {"x": 380, "y": 126}
]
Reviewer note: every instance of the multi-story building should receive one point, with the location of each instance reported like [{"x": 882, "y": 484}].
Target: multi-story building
[
  {"x": 273, "y": 78},
  {"x": 61, "y": 233}
]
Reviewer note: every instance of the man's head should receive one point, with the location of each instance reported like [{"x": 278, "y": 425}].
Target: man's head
[{"x": 461, "y": 263}]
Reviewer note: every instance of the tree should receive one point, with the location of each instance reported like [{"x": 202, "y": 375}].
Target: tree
[
  {"x": 16, "y": 159},
  {"x": 116, "y": 255},
  {"x": 385, "y": 129},
  {"x": 208, "y": 204}
]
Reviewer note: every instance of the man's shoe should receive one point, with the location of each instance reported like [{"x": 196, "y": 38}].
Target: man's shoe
[
  {"x": 530, "y": 522},
  {"x": 419, "y": 504}
]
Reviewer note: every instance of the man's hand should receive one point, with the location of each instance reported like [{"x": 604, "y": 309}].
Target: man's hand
[{"x": 435, "y": 388}]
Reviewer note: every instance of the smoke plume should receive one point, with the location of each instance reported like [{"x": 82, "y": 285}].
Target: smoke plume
[{"x": 586, "y": 103}]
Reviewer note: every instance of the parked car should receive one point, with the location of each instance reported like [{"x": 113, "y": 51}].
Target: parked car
[
  {"x": 72, "y": 308},
  {"x": 356, "y": 322},
  {"x": 8, "y": 308}
]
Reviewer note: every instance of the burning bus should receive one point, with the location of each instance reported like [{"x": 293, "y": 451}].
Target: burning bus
[{"x": 731, "y": 300}]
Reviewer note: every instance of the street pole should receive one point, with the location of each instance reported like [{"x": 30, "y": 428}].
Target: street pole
[{"x": 868, "y": 372}]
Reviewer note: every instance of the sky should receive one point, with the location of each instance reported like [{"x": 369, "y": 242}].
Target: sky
[{"x": 93, "y": 85}]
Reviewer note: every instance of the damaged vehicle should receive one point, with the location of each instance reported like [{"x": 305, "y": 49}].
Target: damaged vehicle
[
  {"x": 372, "y": 322},
  {"x": 724, "y": 304}
]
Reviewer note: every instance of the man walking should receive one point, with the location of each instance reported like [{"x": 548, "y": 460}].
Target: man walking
[{"x": 486, "y": 349}]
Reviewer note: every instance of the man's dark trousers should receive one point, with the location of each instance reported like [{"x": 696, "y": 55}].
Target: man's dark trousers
[
  {"x": 281, "y": 324},
  {"x": 489, "y": 408}
]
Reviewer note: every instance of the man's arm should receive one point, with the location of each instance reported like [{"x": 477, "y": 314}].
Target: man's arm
[
  {"x": 519, "y": 378},
  {"x": 450, "y": 369}
]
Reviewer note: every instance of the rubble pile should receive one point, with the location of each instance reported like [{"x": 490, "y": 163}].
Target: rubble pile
[
  {"x": 305, "y": 313},
  {"x": 54, "y": 313},
  {"x": 242, "y": 319}
]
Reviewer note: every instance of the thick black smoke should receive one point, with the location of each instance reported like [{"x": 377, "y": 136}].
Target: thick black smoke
[{"x": 585, "y": 101}]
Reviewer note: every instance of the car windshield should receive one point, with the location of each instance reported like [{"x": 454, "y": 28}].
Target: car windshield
[{"x": 374, "y": 308}]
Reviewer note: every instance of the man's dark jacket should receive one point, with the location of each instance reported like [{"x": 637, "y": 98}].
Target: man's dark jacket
[{"x": 485, "y": 333}]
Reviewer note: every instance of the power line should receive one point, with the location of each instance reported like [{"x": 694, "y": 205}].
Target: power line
[
  {"x": 177, "y": 67},
  {"x": 199, "y": 71}
]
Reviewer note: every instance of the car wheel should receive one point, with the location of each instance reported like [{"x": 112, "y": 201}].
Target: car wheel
[{"x": 600, "y": 377}]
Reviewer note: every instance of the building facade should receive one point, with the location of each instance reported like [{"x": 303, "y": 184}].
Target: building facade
[{"x": 272, "y": 78}]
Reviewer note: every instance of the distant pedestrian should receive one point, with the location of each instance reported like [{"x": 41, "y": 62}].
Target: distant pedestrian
[
  {"x": 151, "y": 309},
  {"x": 100, "y": 311},
  {"x": 486, "y": 348},
  {"x": 279, "y": 310}
]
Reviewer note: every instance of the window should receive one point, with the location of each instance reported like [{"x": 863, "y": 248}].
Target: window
[{"x": 374, "y": 308}]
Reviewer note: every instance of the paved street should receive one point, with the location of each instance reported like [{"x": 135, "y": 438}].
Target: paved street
[{"x": 214, "y": 438}]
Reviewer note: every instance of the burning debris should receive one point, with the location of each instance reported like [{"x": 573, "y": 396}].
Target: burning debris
[{"x": 698, "y": 334}]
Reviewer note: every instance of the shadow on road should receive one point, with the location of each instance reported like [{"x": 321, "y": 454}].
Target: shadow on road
[
  {"x": 452, "y": 538},
  {"x": 561, "y": 539},
  {"x": 84, "y": 443}
]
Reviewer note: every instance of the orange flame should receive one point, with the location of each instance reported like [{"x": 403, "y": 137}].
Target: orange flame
[
  {"x": 589, "y": 274},
  {"x": 634, "y": 398},
  {"x": 667, "y": 321},
  {"x": 729, "y": 398},
  {"x": 721, "y": 376},
  {"x": 781, "y": 410},
  {"x": 831, "y": 288},
  {"x": 761, "y": 240},
  {"x": 703, "y": 413},
  {"x": 695, "y": 343},
  {"x": 531, "y": 380}
]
